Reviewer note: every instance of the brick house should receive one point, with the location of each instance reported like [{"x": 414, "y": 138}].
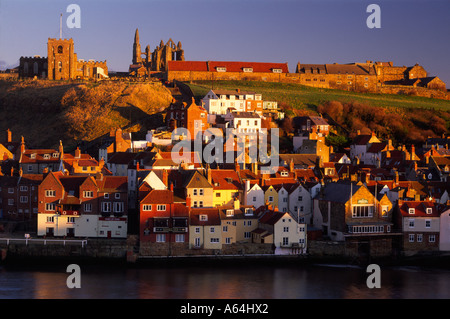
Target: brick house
[
  {"x": 164, "y": 228},
  {"x": 82, "y": 206},
  {"x": 191, "y": 116},
  {"x": 420, "y": 224},
  {"x": 37, "y": 161},
  {"x": 19, "y": 197}
]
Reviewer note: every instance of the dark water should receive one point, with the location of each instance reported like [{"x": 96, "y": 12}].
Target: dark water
[{"x": 224, "y": 282}]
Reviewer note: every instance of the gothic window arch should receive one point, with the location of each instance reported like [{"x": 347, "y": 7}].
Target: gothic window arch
[{"x": 60, "y": 49}]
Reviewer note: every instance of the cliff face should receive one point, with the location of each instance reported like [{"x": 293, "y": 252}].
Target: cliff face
[{"x": 45, "y": 112}]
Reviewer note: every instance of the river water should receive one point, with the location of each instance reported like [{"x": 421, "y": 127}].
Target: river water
[{"x": 252, "y": 281}]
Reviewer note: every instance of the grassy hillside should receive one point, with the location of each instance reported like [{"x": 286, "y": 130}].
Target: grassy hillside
[
  {"x": 46, "y": 111},
  {"x": 303, "y": 97},
  {"x": 403, "y": 118}
]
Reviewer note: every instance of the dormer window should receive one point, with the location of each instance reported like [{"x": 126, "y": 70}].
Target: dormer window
[
  {"x": 429, "y": 210},
  {"x": 203, "y": 218},
  {"x": 411, "y": 211},
  {"x": 277, "y": 71},
  {"x": 46, "y": 156},
  {"x": 221, "y": 69},
  {"x": 230, "y": 212},
  {"x": 247, "y": 70},
  {"x": 55, "y": 155},
  {"x": 284, "y": 173},
  {"x": 33, "y": 155},
  {"x": 248, "y": 212}
]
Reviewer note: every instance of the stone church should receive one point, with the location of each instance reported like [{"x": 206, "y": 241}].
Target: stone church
[
  {"x": 61, "y": 63},
  {"x": 145, "y": 63}
]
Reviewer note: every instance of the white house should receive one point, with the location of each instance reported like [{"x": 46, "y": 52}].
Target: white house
[
  {"x": 288, "y": 236},
  {"x": 243, "y": 122},
  {"x": 300, "y": 203},
  {"x": 444, "y": 230},
  {"x": 220, "y": 101},
  {"x": 253, "y": 195}
]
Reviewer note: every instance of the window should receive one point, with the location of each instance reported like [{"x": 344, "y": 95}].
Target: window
[
  {"x": 218, "y": 195},
  {"x": 50, "y": 193},
  {"x": 432, "y": 238},
  {"x": 215, "y": 240},
  {"x": 146, "y": 207},
  {"x": 362, "y": 211},
  {"x": 200, "y": 191},
  {"x": 300, "y": 198},
  {"x": 411, "y": 223},
  {"x": 106, "y": 195},
  {"x": 427, "y": 223},
  {"x": 10, "y": 201},
  {"x": 429, "y": 210},
  {"x": 197, "y": 230},
  {"x": 212, "y": 229},
  {"x": 247, "y": 234},
  {"x": 23, "y": 199},
  {"x": 10, "y": 190},
  {"x": 254, "y": 198},
  {"x": 248, "y": 69},
  {"x": 88, "y": 194},
  {"x": 106, "y": 207},
  {"x": 276, "y": 70},
  {"x": 23, "y": 188},
  {"x": 70, "y": 220},
  {"x": 160, "y": 238},
  {"x": 225, "y": 228},
  {"x": 270, "y": 198},
  {"x": 60, "y": 49},
  {"x": 203, "y": 218},
  {"x": 200, "y": 203},
  {"x": 419, "y": 238},
  {"x": 285, "y": 241},
  {"x": 118, "y": 207},
  {"x": 286, "y": 229},
  {"x": 194, "y": 192},
  {"x": 411, "y": 210},
  {"x": 161, "y": 208},
  {"x": 50, "y": 207},
  {"x": 228, "y": 240},
  {"x": 179, "y": 238},
  {"x": 230, "y": 212},
  {"x": 88, "y": 207},
  {"x": 50, "y": 219},
  {"x": 411, "y": 238}
]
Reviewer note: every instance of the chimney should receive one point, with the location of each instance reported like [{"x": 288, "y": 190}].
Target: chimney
[
  {"x": 137, "y": 166},
  {"x": 99, "y": 176},
  {"x": 171, "y": 187},
  {"x": 188, "y": 201},
  {"x": 77, "y": 153},
  {"x": 358, "y": 132},
  {"x": 12, "y": 171},
  {"x": 208, "y": 172},
  {"x": 291, "y": 166},
  {"x": 396, "y": 178},
  {"x": 22, "y": 146},
  {"x": 165, "y": 178},
  {"x": 9, "y": 136},
  {"x": 236, "y": 203},
  {"x": 101, "y": 163},
  {"x": 237, "y": 168},
  {"x": 61, "y": 149}
]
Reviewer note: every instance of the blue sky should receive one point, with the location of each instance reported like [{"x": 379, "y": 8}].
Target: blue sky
[{"x": 305, "y": 31}]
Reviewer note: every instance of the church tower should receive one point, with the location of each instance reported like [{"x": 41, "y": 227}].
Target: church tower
[{"x": 137, "y": 59}]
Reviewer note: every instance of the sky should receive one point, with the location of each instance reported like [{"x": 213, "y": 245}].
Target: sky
[{"x": 292, "y": 31}]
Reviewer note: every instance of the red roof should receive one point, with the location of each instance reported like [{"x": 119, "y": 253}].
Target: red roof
[
  {"x": 231, "y": 66},
  {"x": 420, "y": 209},
  {"x": 158, "y": 196}
]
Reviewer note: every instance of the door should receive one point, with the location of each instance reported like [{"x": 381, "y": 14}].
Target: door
[
  {"x": 197, "y": 242},
  {"x": 50, "y": 231}
]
